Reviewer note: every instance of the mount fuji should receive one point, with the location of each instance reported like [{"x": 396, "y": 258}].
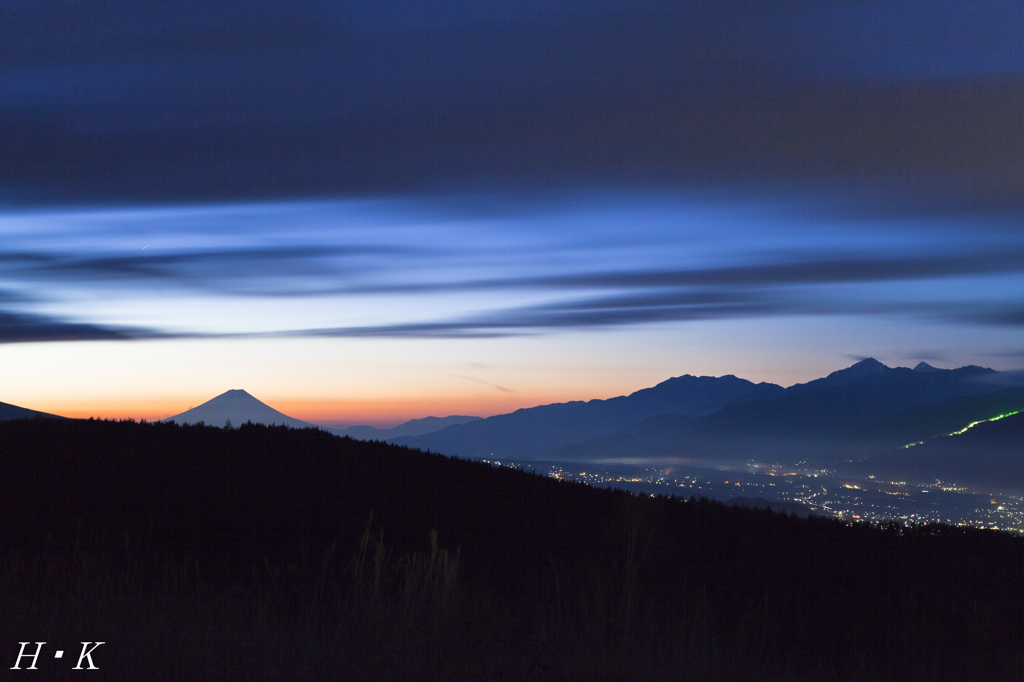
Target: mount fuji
[{"x": 238, "y": 407}]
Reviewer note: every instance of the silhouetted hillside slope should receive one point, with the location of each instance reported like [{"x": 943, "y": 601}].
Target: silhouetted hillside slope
[
  {"x": 295, "y": 554},
  {"x": 925, "y": 423},
  {"x": 530, "y": 433},
  {"x": 989, "y": 457},
  {"x": 14, "y": 412},
  {"x": 793, "y": 508}
]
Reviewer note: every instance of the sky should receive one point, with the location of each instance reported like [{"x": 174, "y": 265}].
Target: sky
[{"x": 367, "y": 212}]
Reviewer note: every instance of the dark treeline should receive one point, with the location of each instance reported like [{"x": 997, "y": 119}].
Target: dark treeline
[{"x": 295, "y": 554}]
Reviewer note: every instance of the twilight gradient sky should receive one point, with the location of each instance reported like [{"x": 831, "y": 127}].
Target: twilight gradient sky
[{"x": 365, "y": 212}]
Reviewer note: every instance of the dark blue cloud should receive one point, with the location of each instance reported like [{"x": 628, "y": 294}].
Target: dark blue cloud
[
  {"x": 825, "y": 270},
  {"x": 116, "y": 100},
  {"x": 909, "y": 40},
  {"x": 259, "y": 270},
  {"x": 660, "y": 308},
  {"x": 327, "y": 270},
  {"x": 27, "y": 328}
]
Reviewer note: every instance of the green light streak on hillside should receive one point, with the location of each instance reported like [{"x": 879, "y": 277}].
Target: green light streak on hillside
[{"x": 966, "y": 428}]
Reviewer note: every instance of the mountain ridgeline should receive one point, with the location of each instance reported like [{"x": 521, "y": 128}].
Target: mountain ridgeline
[
  {"x": 238, "y": 407},
  {"x": 866, "y": 410},
  {"x": 528, "y": 433},
  {"x": 413, "y": 427},
  {"x": 867, "y": 413}
]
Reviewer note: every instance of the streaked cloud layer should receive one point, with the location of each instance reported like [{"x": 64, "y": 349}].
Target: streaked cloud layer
[
  {"x": 466, "y": 176},
  {"x": 458, "y": 267}
]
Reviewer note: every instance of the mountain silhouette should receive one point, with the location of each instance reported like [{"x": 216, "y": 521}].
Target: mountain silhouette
[
  {"x": 881, "y": 389},
  {"x": 8, "y": 411},
  {"x": 532, "y": 432},
  {"x": 863, "y": 410},
  {"x": 238, "y": 407},
  {"x": 413, "y": 427},
  {"x": 851, "y": 374}
]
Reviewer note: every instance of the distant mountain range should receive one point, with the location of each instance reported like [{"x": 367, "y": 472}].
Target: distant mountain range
[
  {"x": 851, "y": 414},
  {"x": 533, "y": 432},
  {"x": 239, "y": 407},
  {"x": 413, "y": 427},
  {"x": 854, "y": 419},
  {"x": 864, "y": 410}
]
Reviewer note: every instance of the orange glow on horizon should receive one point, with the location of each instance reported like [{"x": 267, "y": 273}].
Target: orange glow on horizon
[{"x": 380, "y": 411}]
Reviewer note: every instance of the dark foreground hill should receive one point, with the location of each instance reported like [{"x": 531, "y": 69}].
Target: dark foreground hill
[{"x": 271, "y": 553}]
